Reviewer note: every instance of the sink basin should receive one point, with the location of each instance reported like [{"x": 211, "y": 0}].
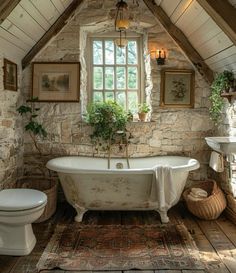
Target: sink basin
[{"x": 224, "y": 145}]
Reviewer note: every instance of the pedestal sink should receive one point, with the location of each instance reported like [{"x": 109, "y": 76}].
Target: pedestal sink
[{"x": 225, "y": 145}]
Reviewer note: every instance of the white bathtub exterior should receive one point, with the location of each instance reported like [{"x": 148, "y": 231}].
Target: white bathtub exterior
[{"x": 89, "y": 185}]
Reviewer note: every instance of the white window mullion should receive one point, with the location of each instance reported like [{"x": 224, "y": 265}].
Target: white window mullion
[
  {"x": 115, "y": 67},
  {"x": 103, "y": 56},
  {"x": 126, "y": 80}
]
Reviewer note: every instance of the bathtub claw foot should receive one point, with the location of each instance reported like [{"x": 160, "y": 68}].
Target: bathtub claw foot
[
  {"x": 80, "y": 214},
  {"x": 164, "y": 218}
]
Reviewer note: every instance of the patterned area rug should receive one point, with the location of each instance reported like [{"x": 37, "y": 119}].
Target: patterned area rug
[{"x": 118, "y": 247}]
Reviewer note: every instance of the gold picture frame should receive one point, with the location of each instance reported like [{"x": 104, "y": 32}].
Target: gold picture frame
[
  {"x": 9, "y": 75},
  {"x": 177, "y": 88},
  {"x": 55, "y": 81}
]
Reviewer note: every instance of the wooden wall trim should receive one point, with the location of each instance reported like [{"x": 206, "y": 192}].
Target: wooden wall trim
[
  {"x": 6, "y": 7},
  {"x": 224, "y": 14},
  {"x": 53, "y": 30},
  {"x": 181, "y": 40}
]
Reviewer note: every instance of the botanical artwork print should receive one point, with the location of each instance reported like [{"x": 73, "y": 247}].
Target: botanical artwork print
[
  {"x": 55, "y": 81},
  {"x": 177, "y": 88}
]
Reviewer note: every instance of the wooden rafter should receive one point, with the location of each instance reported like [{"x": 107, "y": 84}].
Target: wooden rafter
[
  {"x": 181, "y": 40},
  {"x": 223, "y": 14},
  {"x": 6, "y": 7},
  {"x": 53, "y": 30}
]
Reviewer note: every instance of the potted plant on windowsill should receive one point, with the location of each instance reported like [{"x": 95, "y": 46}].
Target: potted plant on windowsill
[
  {"x": 221, "y": 84},
  {"x": 108, "y": 120},
  {"x": 46, "y": 184},
  {"x": 143, "y": 110}
]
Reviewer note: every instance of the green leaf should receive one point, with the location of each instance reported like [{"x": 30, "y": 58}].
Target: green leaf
[{"x": 23, "y": 109}]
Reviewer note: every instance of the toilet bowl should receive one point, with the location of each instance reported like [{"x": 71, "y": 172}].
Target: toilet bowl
[{"x": 18, "y": 209}]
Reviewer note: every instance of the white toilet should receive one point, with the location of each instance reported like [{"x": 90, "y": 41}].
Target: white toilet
[{"x": 18, "y": 209}]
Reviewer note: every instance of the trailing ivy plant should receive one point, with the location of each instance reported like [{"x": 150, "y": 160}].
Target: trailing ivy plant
[
  {"x": 33, "y": 127},
  {"x": 107, "y": 119},
  {"x": 221, "y": 83}
]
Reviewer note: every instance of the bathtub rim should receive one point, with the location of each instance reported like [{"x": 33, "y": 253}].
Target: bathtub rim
[{"x": 186, "y": 168}]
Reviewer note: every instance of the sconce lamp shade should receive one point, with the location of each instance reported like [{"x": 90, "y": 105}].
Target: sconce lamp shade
[{"x": 160, "y": 56}]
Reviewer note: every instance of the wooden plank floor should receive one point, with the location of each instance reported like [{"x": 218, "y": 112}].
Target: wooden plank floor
[{"x": 216, "y": 240}]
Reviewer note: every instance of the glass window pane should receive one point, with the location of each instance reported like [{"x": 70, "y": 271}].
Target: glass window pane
[
  {"x": 120, "y": 78},
  {"x": 109, "y": 52},
  {"x": 109, "y": 78},
  {"x": 132, "y": 52},
  {"x": 120, "y": 55},
  {"x": 109, "y": 96},
  {"x": 133, "y": 102},
  {"x": 121, "y": 99},
  {"x": 97, "y": 96},
  {"x": 97, "y": 78},
  {"x": 97, "y": 52},
  {"x": 132, "y": 77}
]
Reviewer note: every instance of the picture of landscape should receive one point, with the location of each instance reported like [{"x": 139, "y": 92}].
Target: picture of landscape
[{"x": 55, "y": 81}]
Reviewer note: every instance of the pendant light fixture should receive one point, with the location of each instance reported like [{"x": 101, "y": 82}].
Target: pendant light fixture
[{"x": 121, "y": 23}]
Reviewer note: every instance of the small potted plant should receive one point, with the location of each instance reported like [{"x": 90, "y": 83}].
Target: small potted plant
[
  {"x": 46, "y": 184},
  {"x": 143, "y": 109}
]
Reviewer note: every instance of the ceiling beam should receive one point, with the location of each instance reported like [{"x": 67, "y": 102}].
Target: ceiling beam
[
  {"x": 224, "y": 14},
  {"x": 52, "y": 31},
  {"x": 6, "y": 7},
  {"x": 181, "y": 40}
]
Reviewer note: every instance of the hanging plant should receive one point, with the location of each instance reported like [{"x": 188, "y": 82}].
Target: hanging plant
[{"x": 221, "y": 83}]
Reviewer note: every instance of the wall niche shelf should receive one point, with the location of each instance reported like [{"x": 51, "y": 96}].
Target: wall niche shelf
[{"x": 228, "y": 95}]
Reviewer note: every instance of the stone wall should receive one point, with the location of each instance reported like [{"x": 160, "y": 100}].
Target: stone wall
[
  {"x": 171, "y": 131},
  {"x": 11, "y": 134}
]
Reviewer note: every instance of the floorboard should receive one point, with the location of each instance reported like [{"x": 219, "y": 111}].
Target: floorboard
[
  {"x": 212, "y": 260},
  {"x": 222, "y": 245},
  {"x": 216, "y": 240},
  {"x": 228, "y": 228}
]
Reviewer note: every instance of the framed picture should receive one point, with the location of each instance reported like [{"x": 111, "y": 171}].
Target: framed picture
[
  {"x": 54, "y": 82},
  {"x": 10, "y": 75},
  {"x": 177, "y": 88}
]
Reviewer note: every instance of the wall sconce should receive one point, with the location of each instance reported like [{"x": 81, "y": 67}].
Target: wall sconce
[{"x": 160, "y": 56}]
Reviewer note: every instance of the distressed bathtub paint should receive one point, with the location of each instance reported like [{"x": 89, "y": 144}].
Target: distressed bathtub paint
[{"x": 89, "y": 185}]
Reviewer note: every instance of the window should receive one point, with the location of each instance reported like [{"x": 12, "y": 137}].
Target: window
[{"x": 115, "y": 72}]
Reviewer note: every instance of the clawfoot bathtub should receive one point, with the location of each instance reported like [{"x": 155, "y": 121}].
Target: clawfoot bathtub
[{"x": 89, "y": 185}]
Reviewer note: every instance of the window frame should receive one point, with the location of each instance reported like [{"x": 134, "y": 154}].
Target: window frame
[{"x": 140, "y": 66}]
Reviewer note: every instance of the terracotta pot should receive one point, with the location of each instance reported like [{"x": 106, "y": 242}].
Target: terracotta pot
[{"x": 142, "y": 116}]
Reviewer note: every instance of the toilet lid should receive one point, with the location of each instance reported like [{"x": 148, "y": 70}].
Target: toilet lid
[{"x": 21, "y": 199}]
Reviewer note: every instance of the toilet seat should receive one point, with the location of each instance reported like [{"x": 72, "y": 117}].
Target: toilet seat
[
  {"x": 21, "y": 199},
  {"x": 19, "y": 208}
]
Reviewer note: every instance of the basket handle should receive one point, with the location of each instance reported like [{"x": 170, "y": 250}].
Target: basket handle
[{"x": 215, "y": 187}]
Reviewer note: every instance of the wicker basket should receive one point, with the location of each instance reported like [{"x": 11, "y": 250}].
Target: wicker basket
[
  {"x": 231, "y": 202},
  {"x": 46, "y": 185},
  {"x": 209, "y": 208}
]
